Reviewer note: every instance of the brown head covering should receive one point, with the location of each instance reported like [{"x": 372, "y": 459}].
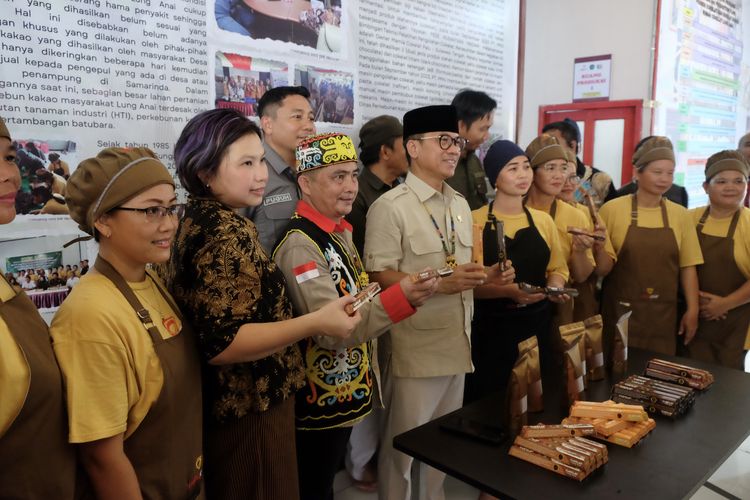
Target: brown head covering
[
  {"x": 108, "y": 180},
  {"x": 543, "y": 149},
  {"x": 655, "y": 148},
  {"x": 726, "y": 160},
  {"x": 4, "y": 130}
]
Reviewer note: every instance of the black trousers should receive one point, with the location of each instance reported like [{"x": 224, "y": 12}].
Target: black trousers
[{"x": 319, "y": 457}]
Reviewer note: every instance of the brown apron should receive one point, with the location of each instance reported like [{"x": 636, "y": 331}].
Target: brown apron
[
  {"x": 587, "y": 302},
  {"x": 165, "y": 450},
  {"x": 36, "y": 461},
  {"x": 563, "y": 313},
  {"x": 646, "y": 275},
  {"x": 720, "y": 341}
]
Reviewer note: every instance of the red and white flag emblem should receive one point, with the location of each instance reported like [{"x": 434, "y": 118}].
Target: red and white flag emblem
[{"x": 306, "y": 271}]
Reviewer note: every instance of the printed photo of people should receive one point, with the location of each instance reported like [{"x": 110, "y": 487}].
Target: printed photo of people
[
  {"x": 311, "y": 23},
  {"x": 43, "y": 268},
  {"x": 241, "y": 81},
  {"x": 331, "y": 93},
  {"x": 45, "y": 168}
]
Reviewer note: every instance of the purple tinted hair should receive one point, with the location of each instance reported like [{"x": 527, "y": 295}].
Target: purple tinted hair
[{"x": 203, "y": 143}]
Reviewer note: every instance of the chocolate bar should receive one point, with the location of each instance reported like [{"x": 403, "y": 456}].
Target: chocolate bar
[
  {"x": 592, "y": 208},
  {"x": 502, "y": 254},
  {"x": 422, "y": 276},
  {"x": 547, "y": 290},
  {"x": 583, "y": 232},
  {"x": 679, "y": 374},
  {"x": 562, "y": 430},
  {"x": 365, "y": 295},
  {"x": 610, "y": 411},
  {"x": 656, "y": 396}
]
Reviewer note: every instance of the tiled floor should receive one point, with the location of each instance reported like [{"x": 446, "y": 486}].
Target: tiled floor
[{"x": 733, "y": 477}]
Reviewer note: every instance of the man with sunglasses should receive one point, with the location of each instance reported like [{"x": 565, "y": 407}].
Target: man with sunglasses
[{"x": 419, "y": 224}]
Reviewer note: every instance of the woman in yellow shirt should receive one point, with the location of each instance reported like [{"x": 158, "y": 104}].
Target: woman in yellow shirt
[
  {"x": 587, "y": 302},
  {"x": 724, "y": 235},
  {"x": 657, "y": 249},
  {"x": 550, "y": 163},
  {"x": 36, "y": 460},
  {"x": 128, "y": 360},
  {"x": 504, "y": 315}
]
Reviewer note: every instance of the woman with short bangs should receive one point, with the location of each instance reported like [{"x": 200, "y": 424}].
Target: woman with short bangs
[
  {"x": 657, "y": 250},
  {"x": 724, "y": 235},
  {"x": 236, "y": 298}
]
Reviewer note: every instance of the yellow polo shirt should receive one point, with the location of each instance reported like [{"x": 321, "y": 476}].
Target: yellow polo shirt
[
  {"x": 616, "y": 216},
  {"x": 111, "y": 372}
]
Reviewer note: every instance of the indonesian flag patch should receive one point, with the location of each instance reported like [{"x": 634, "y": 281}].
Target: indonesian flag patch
[{"x": 306, "y": 271}]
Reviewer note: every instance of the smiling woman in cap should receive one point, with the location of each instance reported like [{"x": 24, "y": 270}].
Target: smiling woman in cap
[
  {"x": 657, "y": 250},
  {"x": 532, "y": 243},
  {"x": 131, "y": 372},
  {"x": 36, "y": 460},
  {"x": 236, "y": 298},
  {"x": 724, "y": 277}
]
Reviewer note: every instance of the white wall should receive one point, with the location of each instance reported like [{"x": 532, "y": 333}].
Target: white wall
[{"x": 558, "y": 31}]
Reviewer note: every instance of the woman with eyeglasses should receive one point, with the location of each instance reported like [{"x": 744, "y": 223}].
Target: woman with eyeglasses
[
  {"x": 504, "y": 315},
  {"x": 235, "y": 296},
  {"x": 724, "y": 235},
  {"x": 129, "y": 362},
  {"x": 657, "y": 251},
  {"x": 36, "y": 460},
  {"x": 549, "y": 161},
  {"x": 586, "y": 304}
]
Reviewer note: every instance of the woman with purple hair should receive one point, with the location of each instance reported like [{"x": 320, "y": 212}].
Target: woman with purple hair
[{"x": 236, "y": 299}]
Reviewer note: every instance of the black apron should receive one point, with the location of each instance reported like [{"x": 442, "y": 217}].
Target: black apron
[
  {"x": 36, "y": 461},
  {"x": 500, "y": 324},
  {"x": 721, "y": 341}
]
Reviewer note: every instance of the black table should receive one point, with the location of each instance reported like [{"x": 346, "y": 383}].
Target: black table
[{"x": 672, "y": 462}]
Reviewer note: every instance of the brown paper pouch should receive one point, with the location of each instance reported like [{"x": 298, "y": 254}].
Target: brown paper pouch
[
  {"x": 530, "y": 348},
  {"x": 574, "y": 372},
  {"x": 568, "y": 334},
  {"x": 517, "y": 396},
  {"x": 594, "y": 347},
  {"x": 620, "y": 353}
]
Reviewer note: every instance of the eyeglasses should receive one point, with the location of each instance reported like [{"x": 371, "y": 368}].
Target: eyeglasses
[
  {"x": 717, "y": 181},
  {"x": 157, "y": 213},
  {"x": 573, "y": 179},
  {"x": 446, "y": 141}
]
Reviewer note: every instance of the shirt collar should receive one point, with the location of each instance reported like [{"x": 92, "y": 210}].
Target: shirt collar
[
  {"x": 274, "y": 160},
  {"x": 309, "y": 212},
  {"x": 424, "y": 191},
  {"x": 374, "y": 181}
]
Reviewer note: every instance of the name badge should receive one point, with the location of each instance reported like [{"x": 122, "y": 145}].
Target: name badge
[{"x": 276, "y": 198}]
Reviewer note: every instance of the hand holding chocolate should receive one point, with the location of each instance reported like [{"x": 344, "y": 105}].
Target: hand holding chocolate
[
  {"x": 365, "y": 295},
  {"x": 583, "y": 232}
]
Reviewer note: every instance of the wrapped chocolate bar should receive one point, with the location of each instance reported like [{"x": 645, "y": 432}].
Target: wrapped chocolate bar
[
  {"x": 574, "y": 372},
  {"x": 657, "y": 397},
  {"x": 594, "y": 348},
  {"x": 530, "y": 348},
  {"x": 679, "y": 374},
  {"x": 620, "y": 347},
  {"x": 516, "y": 398},
  {"x": 477, "y": 250},
  {"x": 570, "y": 333}
]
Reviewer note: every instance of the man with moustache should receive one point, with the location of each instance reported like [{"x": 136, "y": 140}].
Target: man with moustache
[
  {"x": 319, "y": 261},
  {"x": 285, "y": 118},
  {"x": 425, "y": 223}
]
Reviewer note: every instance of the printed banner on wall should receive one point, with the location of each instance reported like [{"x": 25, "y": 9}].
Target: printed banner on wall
[
  {"x": 48, "y": 260},
  {"x": 702, "y": 83},
  {"x": 81, "y": 75}
]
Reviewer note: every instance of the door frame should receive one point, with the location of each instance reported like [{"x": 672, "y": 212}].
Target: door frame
[{"x": 633, "y": 130}]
